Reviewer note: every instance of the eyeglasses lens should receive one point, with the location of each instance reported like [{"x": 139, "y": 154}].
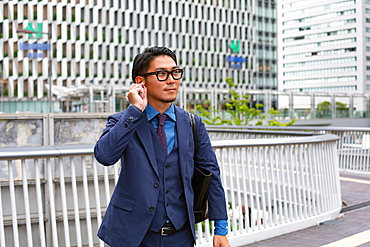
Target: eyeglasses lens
[{"x": 163, "y": 75}]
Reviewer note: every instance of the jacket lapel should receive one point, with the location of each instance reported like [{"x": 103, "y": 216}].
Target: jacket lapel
[
  {"x": 183, "y": 132},
  {"x": 143, "y": 131}
]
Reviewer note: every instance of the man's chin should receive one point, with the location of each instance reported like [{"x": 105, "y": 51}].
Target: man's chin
[{"x": 168, "y": 100}]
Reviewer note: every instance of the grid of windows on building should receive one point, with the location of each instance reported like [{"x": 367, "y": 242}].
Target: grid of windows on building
[
  {"x": 319, "y": 26},
  {"x": 319, "y": 17},
  {"x": 318, "y": 8},
  {"x": 321, "y": 80},
  {"x": 319, "y": 44},
  {"x": 321, "y": 35},
  {"x": 321, "y": 71},
  {"x": 319, "y": 53},
  {"x": 96, "y": 44},
  {"x": 368, "y": 77},
  {"x": 322, "y": 89},
  {"x": 367, "y": 87},
  {"x": 264, "y": 47},
  {"x": 320, "y": 62}
]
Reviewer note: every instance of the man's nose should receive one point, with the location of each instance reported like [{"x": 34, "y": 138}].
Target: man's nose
[{"x": 170, "y": 79}]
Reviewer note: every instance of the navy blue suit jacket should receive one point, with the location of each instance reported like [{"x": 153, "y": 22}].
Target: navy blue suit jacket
[{"x": 130, "y": 211}]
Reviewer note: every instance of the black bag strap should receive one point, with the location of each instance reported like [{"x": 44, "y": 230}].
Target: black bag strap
[{"x": 193, "y": 124}]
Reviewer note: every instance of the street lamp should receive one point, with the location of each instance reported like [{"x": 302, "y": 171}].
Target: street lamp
[{"x": 49, "y": 60}]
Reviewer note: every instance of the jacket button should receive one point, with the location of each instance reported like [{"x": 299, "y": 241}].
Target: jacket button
[
  {"x": 167, "y": 191},
  {"x": 131, "y": 117},
  {"x": 167, "y": 166},
  {"x": 126, "y": 124},
  {"x": 151, "y": 209},
  {"x": 156, "y": 184},
  {"x": 167, "y": 204},
  {"x": 167, "y": 179},
  {"x": 165, "y": 216}
]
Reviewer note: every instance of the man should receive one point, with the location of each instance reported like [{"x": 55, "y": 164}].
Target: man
[{"x": 152, "y": 204}]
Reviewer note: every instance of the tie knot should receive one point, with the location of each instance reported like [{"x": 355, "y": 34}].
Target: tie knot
[{"x": 161, "y": 119}]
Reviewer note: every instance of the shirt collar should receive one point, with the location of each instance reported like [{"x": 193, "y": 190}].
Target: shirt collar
[{"x": 151, "y": 112}]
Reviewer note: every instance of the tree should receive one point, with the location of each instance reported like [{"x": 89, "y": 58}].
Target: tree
[
  {"x": 323, "y": 106},
  {"x": 239, "y": 110},
  {"x": 341, "y": 106}
]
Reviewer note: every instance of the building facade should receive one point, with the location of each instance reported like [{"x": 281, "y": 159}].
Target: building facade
[
  {"x": 324, "y": 46},
  {"x": 83, "y": 46},
  {"x": 265, "y": 52}
]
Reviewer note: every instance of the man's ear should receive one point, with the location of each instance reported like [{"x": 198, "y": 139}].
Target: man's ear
[{"x": 139, "y": 79}]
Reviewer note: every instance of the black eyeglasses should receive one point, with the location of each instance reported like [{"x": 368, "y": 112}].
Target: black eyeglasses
[{"x": 162, "y": 75}]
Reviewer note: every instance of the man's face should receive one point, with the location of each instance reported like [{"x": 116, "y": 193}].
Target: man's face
[{"x": 161, "y": 91}]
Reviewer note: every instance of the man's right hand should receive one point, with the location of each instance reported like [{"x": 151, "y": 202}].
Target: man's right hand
[{"x": 137, "y": 95}]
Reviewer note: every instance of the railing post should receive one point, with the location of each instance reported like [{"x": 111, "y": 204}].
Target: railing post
[
  {"x": 333, "y": 106},
  {"x": 91, "y": 93},
  {"x": 350, "y": 106},
  {"x": 48, "y": 124},
  {"x": 212, "y": 102},
  {"x": 48, "y": 228},
  {"x": 291, "y": 107},
  {"x": 313, "y": 106},
  {"x": 48, "y": 120},
  {"x": 267, "y": 102}
]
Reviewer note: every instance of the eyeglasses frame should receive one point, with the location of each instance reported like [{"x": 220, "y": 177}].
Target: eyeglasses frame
[{"x": 168, "y": 74}]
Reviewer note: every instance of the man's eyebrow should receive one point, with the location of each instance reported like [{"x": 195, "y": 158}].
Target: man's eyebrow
[{"x": 174, "y": 67}]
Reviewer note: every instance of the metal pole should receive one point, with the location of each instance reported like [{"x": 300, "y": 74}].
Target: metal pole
[
  {"x": 333, "y": 107},
  {"x": 50, "y": 68},
  {"x": 313, "y": 106},
  {"x": 2, "y": 88}
]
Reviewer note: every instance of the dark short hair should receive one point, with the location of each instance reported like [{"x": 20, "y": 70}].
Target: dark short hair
[{"x": 142, "y": 60}]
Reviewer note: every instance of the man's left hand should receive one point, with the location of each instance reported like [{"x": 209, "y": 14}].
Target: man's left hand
[{"x": 220, "y": 241}]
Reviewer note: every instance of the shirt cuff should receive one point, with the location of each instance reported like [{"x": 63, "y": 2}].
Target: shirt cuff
[
  {"x": 137, "y": 107},
  {"x": 221, "y": 227}
]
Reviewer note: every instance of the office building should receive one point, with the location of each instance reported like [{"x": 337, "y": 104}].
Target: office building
[
  {"x": 93, "y": 43},
  {"x": 324, "y": 46}
]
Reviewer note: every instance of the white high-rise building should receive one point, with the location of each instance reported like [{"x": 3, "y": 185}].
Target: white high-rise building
[{"x": 324, "y": 46}]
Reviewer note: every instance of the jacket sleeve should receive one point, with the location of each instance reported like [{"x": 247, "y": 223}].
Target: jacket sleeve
[
  {"x": 206, "y": 158},
  {"x": 119, "y": 130}
]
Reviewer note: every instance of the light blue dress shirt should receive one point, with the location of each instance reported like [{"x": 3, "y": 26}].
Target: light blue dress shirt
[{"x": 169, "y": 124}]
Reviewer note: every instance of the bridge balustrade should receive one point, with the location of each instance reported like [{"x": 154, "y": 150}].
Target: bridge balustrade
[{"x": 57, "y": 195}]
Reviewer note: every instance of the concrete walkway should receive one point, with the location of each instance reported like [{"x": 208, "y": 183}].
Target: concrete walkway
[{"x": 351, "y": 229}]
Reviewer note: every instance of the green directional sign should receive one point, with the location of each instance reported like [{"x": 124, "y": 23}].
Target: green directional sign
[
  {"x": 35, "y": 34},
  {"x": 235, "y": 47}
]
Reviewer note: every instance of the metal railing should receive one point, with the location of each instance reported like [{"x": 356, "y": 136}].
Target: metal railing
[
  {"x": 273, "y": 186},
  {"x": 229, "y": 133},
  {"x": 353, "y": 146}
]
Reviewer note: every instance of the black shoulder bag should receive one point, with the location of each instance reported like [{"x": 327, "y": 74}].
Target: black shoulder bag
[{"x": 201, "y": 180}]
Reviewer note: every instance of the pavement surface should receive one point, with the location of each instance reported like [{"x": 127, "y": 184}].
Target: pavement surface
[{"x": 351, "y": 229}]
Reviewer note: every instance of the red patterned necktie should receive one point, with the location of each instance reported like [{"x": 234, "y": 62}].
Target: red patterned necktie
[{"x": 160, "y": 131}]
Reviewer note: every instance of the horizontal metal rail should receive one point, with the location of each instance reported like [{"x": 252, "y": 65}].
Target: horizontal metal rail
[
  {"x": 57, "y": 195},
  {"x": 353, "y": 146}
]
